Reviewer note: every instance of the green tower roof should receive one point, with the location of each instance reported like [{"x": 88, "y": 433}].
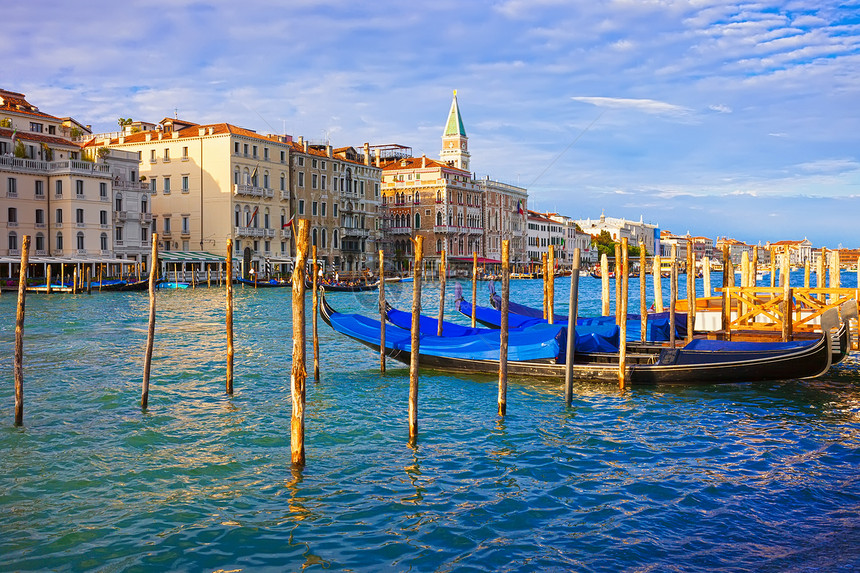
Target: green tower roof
[{"x": 455, "y": 121}]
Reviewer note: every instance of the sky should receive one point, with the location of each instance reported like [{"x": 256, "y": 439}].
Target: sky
[{"x": 714, "y": 118}]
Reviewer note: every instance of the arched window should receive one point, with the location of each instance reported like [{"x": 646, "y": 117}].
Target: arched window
[
  {"x": 334, "y": 238},
  {"x": 438, "y": 196},
  {"x": 323, "y": 237},
  {"x": 59, "y": 241},
  {"x": 417, "y": 220},
  {"x": 417, "y": 197},
  {"x": 314, "y": 241},
  {"x": 439, "y": 218},
  {"x": 247, "y": 218},
  {"x": 236, "y": 180},
  {"x": 283, "y": 182},
  {"x": 438, "y": 245},
  {"x": 80, "y": 240},
  {"x": 266, "y": 219},
  {"x": 103, "y": 241},
  {"x": 266, "y": 179},
  {"x": 238, "y": 216}
]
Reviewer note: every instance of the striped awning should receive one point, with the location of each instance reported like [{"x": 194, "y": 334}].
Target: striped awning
[{"x": 189, "y": 257}]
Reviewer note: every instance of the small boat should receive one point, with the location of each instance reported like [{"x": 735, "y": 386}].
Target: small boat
[
  {"x": 140, "y": 285},
  {"x": 170, "y": 284},
  {"x": 55, "y": 287},
  {"x": 270, "y": 283},
  {"x": 342, "y": 286},
  {"x": 539, "y": 351}
]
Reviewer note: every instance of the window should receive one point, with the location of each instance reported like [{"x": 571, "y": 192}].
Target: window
[
  {"x": 152, "y": 185},
  {"x": 40, "y": 188},
  {"x": 40, "y": 217},
  {"x": 143, "y": 205},
  {"x": 143, "y": 236},
  {"x": 323, "y": 239},
  {"x": 103, "y": 241},
  {"x": 80, "y": 241},
  {"x": 313, "y": 181},
  {"x": 59, "y": 217},
  {"x": 334, "y": 210},
  {"x": 13, "y": 216},
  {"x": 11, "y": 187},
  {"x": 59, "y": 241},
  {"x": 166, "y": 154},
  {"x": 283, "y": 183},
  {"x": 301, "y": 206},
  {"x": 266, "y": 221},
  {"x": 301, "y": 161},
  {"x": 255, "y": 151},
  {"x": 186, "y": 226},
  {"x": 323, "y": 209},
  {"x": 185, "y": 153},
  {"x": 314, "y": 208},
  {"x": 245, "y": 149},
  {"x": 236, "y": 148},
  {"x": 35, "y": 127},
  {"x": 322, "y": 182},
  {"x": 119, "y": 202},
  {"x": 314, "y": 163},
  {"x": 79, "y": 216},
  {"x": 118, "y": 235},
  {"x": 417, "y": 220},
  {"x": 167, "y": 185},
  {"x": 185, "y": 183},
  {"x": 334, "y": 238},
  {"x": 314, "y": 238},
  {"x": 58, "y": 188},
  {"x": 103, "y": 218},
  {"x": 283, "y": 156},
  {"x": 166, "y": 225},
  {"x": 79, "y": 188},
  {"x": 152, "y": 156},
  {"x": 40, "y": 242},
  {"x": 266, "y": 157},
  {"x": 13, "y": 241},
  {"x": 301, "y": 179},
  {"x": 237, "y": 217}
]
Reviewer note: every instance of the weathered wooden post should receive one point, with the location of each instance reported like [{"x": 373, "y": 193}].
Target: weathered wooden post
[
  {"x": 572, "y": 312},
  {"x": 550, "y": 285},
  {"x": 604, "y": 285},
  {"x": 806, "y": 273},
  {"x": 787, "y": 300},
  {"x": 673, "y": 295},
  {"x": 100, "y": 278},
  {"x": 820, "y": 274},
  {"x": 474, "y": 283},
  {"x": 19, "y": 331},
  {"x": 772, "y": 267},
  {"x": 382, "y": 311},
  {"x": 443, "y": 280},
  {"x": 299, "y": 373},
  {"x": 657, "y": 273},
  {"x": 622, "y": 315},
  {"x": 414, "y": 344},
  {"x": 89, "y": 277},
  {"x": 836, "y": 271},
  {"x": 706, "y": 276},
  {"x": 48, "y": 289},
  {"x": 503, "y": 334},
  {"x": 745, "y": 281},
  {"x": 543, "y": 262},
  {"x": 618, "y": 264},
  {"x": 643, "y": 304},
  {"x": 228, "y": 264},
  {"x": 150, "y": 333},
  {"x": 691, "y": 290},
  {"x": 208, "y": 276},
  {"x": 75, "y": 280},
  {"x": 315, "y": 301},
  {"x": 726, "y": 299}
]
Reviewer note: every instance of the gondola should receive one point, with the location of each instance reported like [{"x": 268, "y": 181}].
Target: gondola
[
  {"x": 163, "y": 284},
  {"x": 270, "y": 283},
  {"x": 140, "y": 285},
  {"x": 343, "y": 287},
  {"x": 539, "y": 351}
]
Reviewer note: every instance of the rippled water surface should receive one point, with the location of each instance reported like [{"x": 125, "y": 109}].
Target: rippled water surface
[{"x": 755, "y": 477}]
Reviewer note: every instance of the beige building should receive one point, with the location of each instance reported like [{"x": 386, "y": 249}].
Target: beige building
[
  {"x": 505, "y": 209},
  {"x": 211, "y": 183},
  {"x": 618, "y": 228},
  {"x": 62, "y": 196}
]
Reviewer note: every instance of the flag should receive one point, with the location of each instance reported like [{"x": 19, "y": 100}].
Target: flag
[
  {"x": 519, "y": 207},
  {"x": 289, "y": 223},
  {"x": 253, "y": 216}
]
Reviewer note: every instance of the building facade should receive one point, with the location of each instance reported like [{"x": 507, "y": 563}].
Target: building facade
[{"x": 618, "y": 228}]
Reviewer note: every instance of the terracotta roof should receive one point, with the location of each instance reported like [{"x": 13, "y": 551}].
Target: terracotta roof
[
  {"x": 10, "y": 102},
  {"x": 50, "y": 140},
  {"x": 418, "y": 163}
]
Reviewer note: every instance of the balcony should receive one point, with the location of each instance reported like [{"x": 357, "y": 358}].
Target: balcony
[
  {"x": 130, "y": 186},
  {"x": 444, "y": 229},
  {"x": 14, "y": 252},
  {"x": 12, "y": 224},
  {"x": 146, "y": 217},
  {"x": 81, "y": 252},
  {"x": 251, "y": 191},
  {"x": 120, "y": 215},
  {"x": 40, "y": 253},
  {"x": 354, "y": 232},
  {"x": 63, "y": 167},
  {"x": 41, "y": 225},
  {"x": 286, "y": 234},
  {"x": 249, "y": 232},
  {"x": 285, "y": 195},
  {"x": 399, "y": 230},
  {"x": 81, "y": 225}
]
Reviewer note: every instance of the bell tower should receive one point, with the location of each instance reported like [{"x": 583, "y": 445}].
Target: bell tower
[{"x": 455, "y": 143}]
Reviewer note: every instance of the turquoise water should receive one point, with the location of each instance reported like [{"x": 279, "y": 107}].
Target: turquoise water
[{"x": 738, "y": 477}]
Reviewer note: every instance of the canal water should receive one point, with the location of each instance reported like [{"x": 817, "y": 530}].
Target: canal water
[{"x": 735, "y": 477}]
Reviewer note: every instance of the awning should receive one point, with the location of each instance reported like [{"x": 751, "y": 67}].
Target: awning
[{"x": 189, "y": 257}]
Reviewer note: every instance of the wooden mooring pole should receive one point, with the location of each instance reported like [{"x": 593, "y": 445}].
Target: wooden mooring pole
[
  {"x": 443, "y": 280},
  {"x": 622, "y": 314},
  {"x": 19, "y": 331},
  {"x": 150, "y": 333},
  {"x": 726, "y": 314},
  {"x": 543, "y": 260},
  {"x": 315, "y": 301},
  {"x": 298, "y": 373},
  {"x": 691, "y": 290},
  {"x": 503, "y": 334},
  {"x": 618, "y": 264},
  {"x": 706, "y": 277},
  {"x": 550, "y": 285},
  {"x": 474, "y": 282},
  {"x": 643, "y": 304},
  {"x": 673, "y": 295},
  {"x": 604, "y": 285},
  {"x": 382, "y": 311},
  {"x": 658, "y": 283},
  {"x": 228, "y": 263},
  {"x": 572, "y": 312},
  {"x": 414, "y": 344}
]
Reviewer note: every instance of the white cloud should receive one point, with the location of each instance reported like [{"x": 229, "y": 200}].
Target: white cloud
[{"x": 649, "y": 106}]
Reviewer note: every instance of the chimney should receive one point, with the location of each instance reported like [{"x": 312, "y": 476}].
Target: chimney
[
  {"x": 149, "y": 136},
  {"x": 377, "y": 157},
  {"x": 305, "y": 145},
  {"x": 121, "y": 139},
  {"x": 367, "y": 154},
  {"x": 174, "y": 135},
  {"x": 424, "y": 160},
  {"x": 211, "y": 131},
  {"x": 301, "y": 140},
  {"x": 328, "y": 150},
  {"x": 201, "y": 132}
]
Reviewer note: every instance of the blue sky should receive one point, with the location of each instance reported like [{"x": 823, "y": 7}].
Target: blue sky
[{"x": 718, "y": 118}]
